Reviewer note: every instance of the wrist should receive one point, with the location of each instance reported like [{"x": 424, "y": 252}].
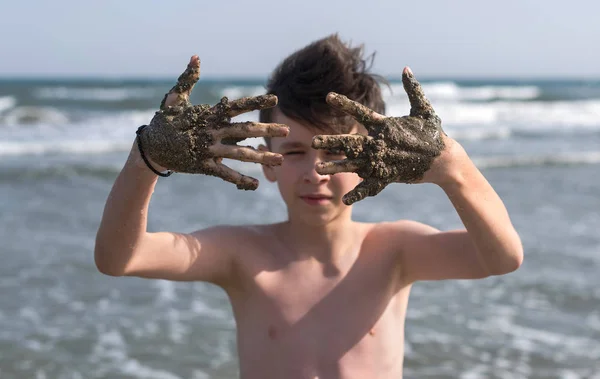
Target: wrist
[
  {"x": 453, "y": 168},
  {"x": 135, "y": 159},
  {"x": 153, "y": 167}
]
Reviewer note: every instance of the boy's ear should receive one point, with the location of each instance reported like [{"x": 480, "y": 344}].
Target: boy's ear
[{"x": 268, "y": 171}]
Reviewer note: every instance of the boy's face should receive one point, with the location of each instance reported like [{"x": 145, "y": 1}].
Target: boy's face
[{"x": 309, "y": 196}]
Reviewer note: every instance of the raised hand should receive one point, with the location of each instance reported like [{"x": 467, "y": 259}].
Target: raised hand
[
  {"x": 397, "y": 149},
  {"x": 195, "y": 138}
]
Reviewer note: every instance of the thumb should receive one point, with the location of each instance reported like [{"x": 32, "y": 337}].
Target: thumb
[
  {"x": 179, "y": 95},
  {"x": 419, "y": 104}
]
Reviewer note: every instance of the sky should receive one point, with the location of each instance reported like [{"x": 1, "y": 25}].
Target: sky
[{"x": 235, "y": 38}]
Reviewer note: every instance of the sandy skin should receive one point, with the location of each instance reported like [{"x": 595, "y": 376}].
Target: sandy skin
[
  {"x": 195, "y": 138},
  {"x": 396, "y": 149}
]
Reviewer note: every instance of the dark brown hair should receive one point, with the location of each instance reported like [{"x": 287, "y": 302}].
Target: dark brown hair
[{"x": 302, "y": 81}]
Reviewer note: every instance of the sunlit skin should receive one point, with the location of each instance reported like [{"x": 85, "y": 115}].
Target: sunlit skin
[
  {"x": 317, "y": 295},
  {"x": 311, "y": 198},
  {"x": 337, "y": 298}
]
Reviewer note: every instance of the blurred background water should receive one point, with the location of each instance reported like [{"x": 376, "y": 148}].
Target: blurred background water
[{"x": 63, "y": 141}]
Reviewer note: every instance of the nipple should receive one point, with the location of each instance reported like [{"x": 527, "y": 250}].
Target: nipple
[{"x": 272, "y": 332}]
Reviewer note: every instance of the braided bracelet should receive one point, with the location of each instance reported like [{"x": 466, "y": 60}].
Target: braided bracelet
[{"x": 139, "y": 143}]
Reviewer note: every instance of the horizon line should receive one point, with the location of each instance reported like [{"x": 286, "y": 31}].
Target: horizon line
[{"x": 264, "y": 78}]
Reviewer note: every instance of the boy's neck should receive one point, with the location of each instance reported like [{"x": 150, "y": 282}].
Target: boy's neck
[{"x": 329, "y": 243}]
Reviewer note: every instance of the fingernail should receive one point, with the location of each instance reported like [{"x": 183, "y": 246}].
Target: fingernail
[
  {"x": 408, "y": 71},
  {"x": 332, "y": 96},
  {"x": 317, "y": 141}
]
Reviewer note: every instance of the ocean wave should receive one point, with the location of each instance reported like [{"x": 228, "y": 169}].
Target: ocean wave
[
  {"x": 452, "y": 91},
  {"x": 522, "y": 115},
  {"x": 479, "y": 134},
  {"x": 34, "y": 115},
  {"x": 56, "y": 135},
  {"x": 108, "y": 170},
  {"x": 560, "y": 159},
  {"x": 60, "y": 170},
  {"x": 7, "y": 102},
  {"x": 236, "y": 92},
  {"x": 94, "y": 93},
  {"x": 83, "y": 146}
]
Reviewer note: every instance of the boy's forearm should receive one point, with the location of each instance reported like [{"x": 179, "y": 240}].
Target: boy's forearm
[
  {"x": 124, "y": 220},
  {"x": 485, "y": 218}
]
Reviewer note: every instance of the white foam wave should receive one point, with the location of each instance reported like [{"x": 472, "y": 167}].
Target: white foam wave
[
  {"x": 166, "y": 291},
  {"x": 81, "y": 146},
  {"x": 7, "y": 102},
  {"x": 589, "y": 157},
  {"x": 110, "y": 346},
  {"x": 201, "y": 308},
  {"x": 116, "y": 125},
  {"x": 135, "y": 369},
  {"x": 110, "y": 351},
  {"x": 476, "y": 133},
  {"x": 237, "y": 92},
  {"x": 94, "y": 93},
  {"x": 452, "y": 91},
  {"x": 509, "y": 112},
  {"x": 92, "y": 136},
  {"x": 34, "y": 115},
  {"x": 115, "y": 132},
  {"x": 563, "y": 115}
]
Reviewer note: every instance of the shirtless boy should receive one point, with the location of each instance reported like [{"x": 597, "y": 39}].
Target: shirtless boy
[{"x": 318, "y": 295}]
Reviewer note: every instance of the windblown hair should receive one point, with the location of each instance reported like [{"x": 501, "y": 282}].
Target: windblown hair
[{"x": 302, "y": 81}]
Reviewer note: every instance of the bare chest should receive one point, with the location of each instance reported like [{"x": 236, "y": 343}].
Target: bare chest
[{"x": 307, "y": 323}]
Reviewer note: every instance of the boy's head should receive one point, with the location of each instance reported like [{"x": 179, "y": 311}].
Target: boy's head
[{"x": 302, "y": 81}]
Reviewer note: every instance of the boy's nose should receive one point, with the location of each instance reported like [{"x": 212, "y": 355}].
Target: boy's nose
[{"x": 311, "y": 175}]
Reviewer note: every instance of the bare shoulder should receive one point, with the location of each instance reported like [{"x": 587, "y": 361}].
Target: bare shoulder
[
  {"x": 233, "y": 239},
  {"x": 398, "y": 234},
  {"x": 239, "y": 241},
  {"x": 231, "y": 232},
  {"x": 397, "y": 240}
]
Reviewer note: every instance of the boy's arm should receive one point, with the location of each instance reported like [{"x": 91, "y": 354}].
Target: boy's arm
[
  {"x": 184, "y": 138},
  {"x": 124, "y": 247},
  {"x": 489, "y": 245},
  {"x": 414, "y": 149}
]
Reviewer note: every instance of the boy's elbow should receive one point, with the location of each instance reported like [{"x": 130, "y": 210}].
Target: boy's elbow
[
  {"x": 517, "y": 256},
  {"x": 104, "y": 264},
  {"x": 109, "y": 270},
  {"x": 106, "y": 270},
  {"x": 513, "y": 261}
]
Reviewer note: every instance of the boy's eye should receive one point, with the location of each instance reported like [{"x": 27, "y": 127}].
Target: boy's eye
[{"x": 295, "y": 152}]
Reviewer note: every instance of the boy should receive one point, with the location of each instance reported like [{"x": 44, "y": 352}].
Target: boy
[{"x": 319, "y": 295}]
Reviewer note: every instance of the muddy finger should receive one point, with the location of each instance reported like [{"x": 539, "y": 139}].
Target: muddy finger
[
  {"x": 357, "y": 194},
  {"x": 419, "y": 105},
  {"x": 334, "y": 167},
  {"x": 228, "y": 174},
  {"x": 368, "y": 187},
  {"x": 339, "y": 141},
  {"x": 252, "y": 129},
  {"x": 179, "y": 95},
  {"x": 248, "y": 104},
  {"x": 246, "y": 154},
  {"x": 361, "y": 113}
]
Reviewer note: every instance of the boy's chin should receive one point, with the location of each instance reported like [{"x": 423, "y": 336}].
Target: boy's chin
[{"x": 320, "y": 219}]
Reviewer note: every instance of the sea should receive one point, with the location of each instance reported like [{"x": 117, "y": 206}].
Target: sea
[{"x": 64, "y": 140}]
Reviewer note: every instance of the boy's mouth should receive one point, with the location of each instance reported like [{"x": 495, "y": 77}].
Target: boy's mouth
[{"x": 315, "y": 199}]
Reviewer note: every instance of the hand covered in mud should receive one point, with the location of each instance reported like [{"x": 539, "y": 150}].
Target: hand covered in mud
[
  {"x": 397, "y": 149},
  {"x": 195, "y": 138}
]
